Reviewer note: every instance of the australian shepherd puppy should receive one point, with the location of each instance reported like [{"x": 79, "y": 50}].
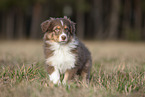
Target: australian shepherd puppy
[{"x": 64, "y": 53}]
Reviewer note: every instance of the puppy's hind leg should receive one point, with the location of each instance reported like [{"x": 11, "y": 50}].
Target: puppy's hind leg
[
  {"x": 69, "y": 74},
  {"x": 86, "y": 72}
]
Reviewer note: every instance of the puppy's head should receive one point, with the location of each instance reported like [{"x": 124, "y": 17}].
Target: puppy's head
[{"x": 60, "y": 30}]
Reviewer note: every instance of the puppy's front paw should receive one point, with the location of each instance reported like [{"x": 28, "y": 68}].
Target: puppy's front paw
[
  {"x": 64, "y": 82},
  {"x": 55, "y": 77},
  {"x": 59, "y": 83}
]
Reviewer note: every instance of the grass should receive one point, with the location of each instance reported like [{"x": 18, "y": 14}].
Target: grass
[{"x": 118, "y": 70}]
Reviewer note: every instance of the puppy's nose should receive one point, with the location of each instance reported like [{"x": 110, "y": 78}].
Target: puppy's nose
[{"x": 63, "y": 37}]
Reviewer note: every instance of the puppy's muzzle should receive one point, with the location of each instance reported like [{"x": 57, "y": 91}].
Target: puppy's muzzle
[{"x": 63, "y": 38}]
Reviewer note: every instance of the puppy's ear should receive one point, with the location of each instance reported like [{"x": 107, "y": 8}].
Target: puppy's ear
[
  {"x": 45, "y": 25},
  {"x": 72, "y": 24}
]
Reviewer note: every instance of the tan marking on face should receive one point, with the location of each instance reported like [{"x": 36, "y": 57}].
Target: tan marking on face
[
  {"x": 56, "y": 27},
  {"x": 56, "y": 38},
  {"x": 50, "y": 35},
  {"x": 65, "y": 27}
]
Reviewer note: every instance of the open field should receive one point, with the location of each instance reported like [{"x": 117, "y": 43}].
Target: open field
[{"x": 118, "y": 70}]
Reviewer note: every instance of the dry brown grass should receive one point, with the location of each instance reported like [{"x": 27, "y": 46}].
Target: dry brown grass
[{"x": 118, "y": 70}]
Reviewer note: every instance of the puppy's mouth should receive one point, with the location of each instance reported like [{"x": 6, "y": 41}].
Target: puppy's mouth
[
  {"x": 63, "y": 38},
  {"x": 62, "y": 42}
]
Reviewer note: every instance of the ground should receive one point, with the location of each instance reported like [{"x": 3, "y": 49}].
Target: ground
[{"x": 118, "y": 70}]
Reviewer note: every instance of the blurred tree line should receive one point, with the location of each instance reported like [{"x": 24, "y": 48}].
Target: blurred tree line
[{"x": 95, "y": 19}]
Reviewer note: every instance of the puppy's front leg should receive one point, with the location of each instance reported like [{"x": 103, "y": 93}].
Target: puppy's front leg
[
  {"x": 69, "y": 74},
  {"x": 54, "y": 76}
]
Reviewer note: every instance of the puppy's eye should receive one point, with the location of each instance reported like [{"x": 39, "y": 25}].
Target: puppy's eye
[
  {"x": 66, "y": 29},
  {"x": 57, "y": 29}
]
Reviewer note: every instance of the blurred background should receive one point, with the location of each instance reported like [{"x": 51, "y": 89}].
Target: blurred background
[
  {"x": 118, "y": 64},
  {"x": 95, "y": 19}
]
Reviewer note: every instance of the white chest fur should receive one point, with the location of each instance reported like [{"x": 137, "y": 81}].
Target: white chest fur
[{"x": 62, "y": 58}]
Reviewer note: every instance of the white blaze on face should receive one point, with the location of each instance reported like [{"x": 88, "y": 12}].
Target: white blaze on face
[
  {"x": 63, "y": 35},
  {"x": 61, "y": 22}
]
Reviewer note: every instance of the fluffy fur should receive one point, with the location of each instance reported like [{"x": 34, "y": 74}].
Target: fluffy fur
[
  {"x": 64, "y": 53},
  {"x": 62, "y": 58}
]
